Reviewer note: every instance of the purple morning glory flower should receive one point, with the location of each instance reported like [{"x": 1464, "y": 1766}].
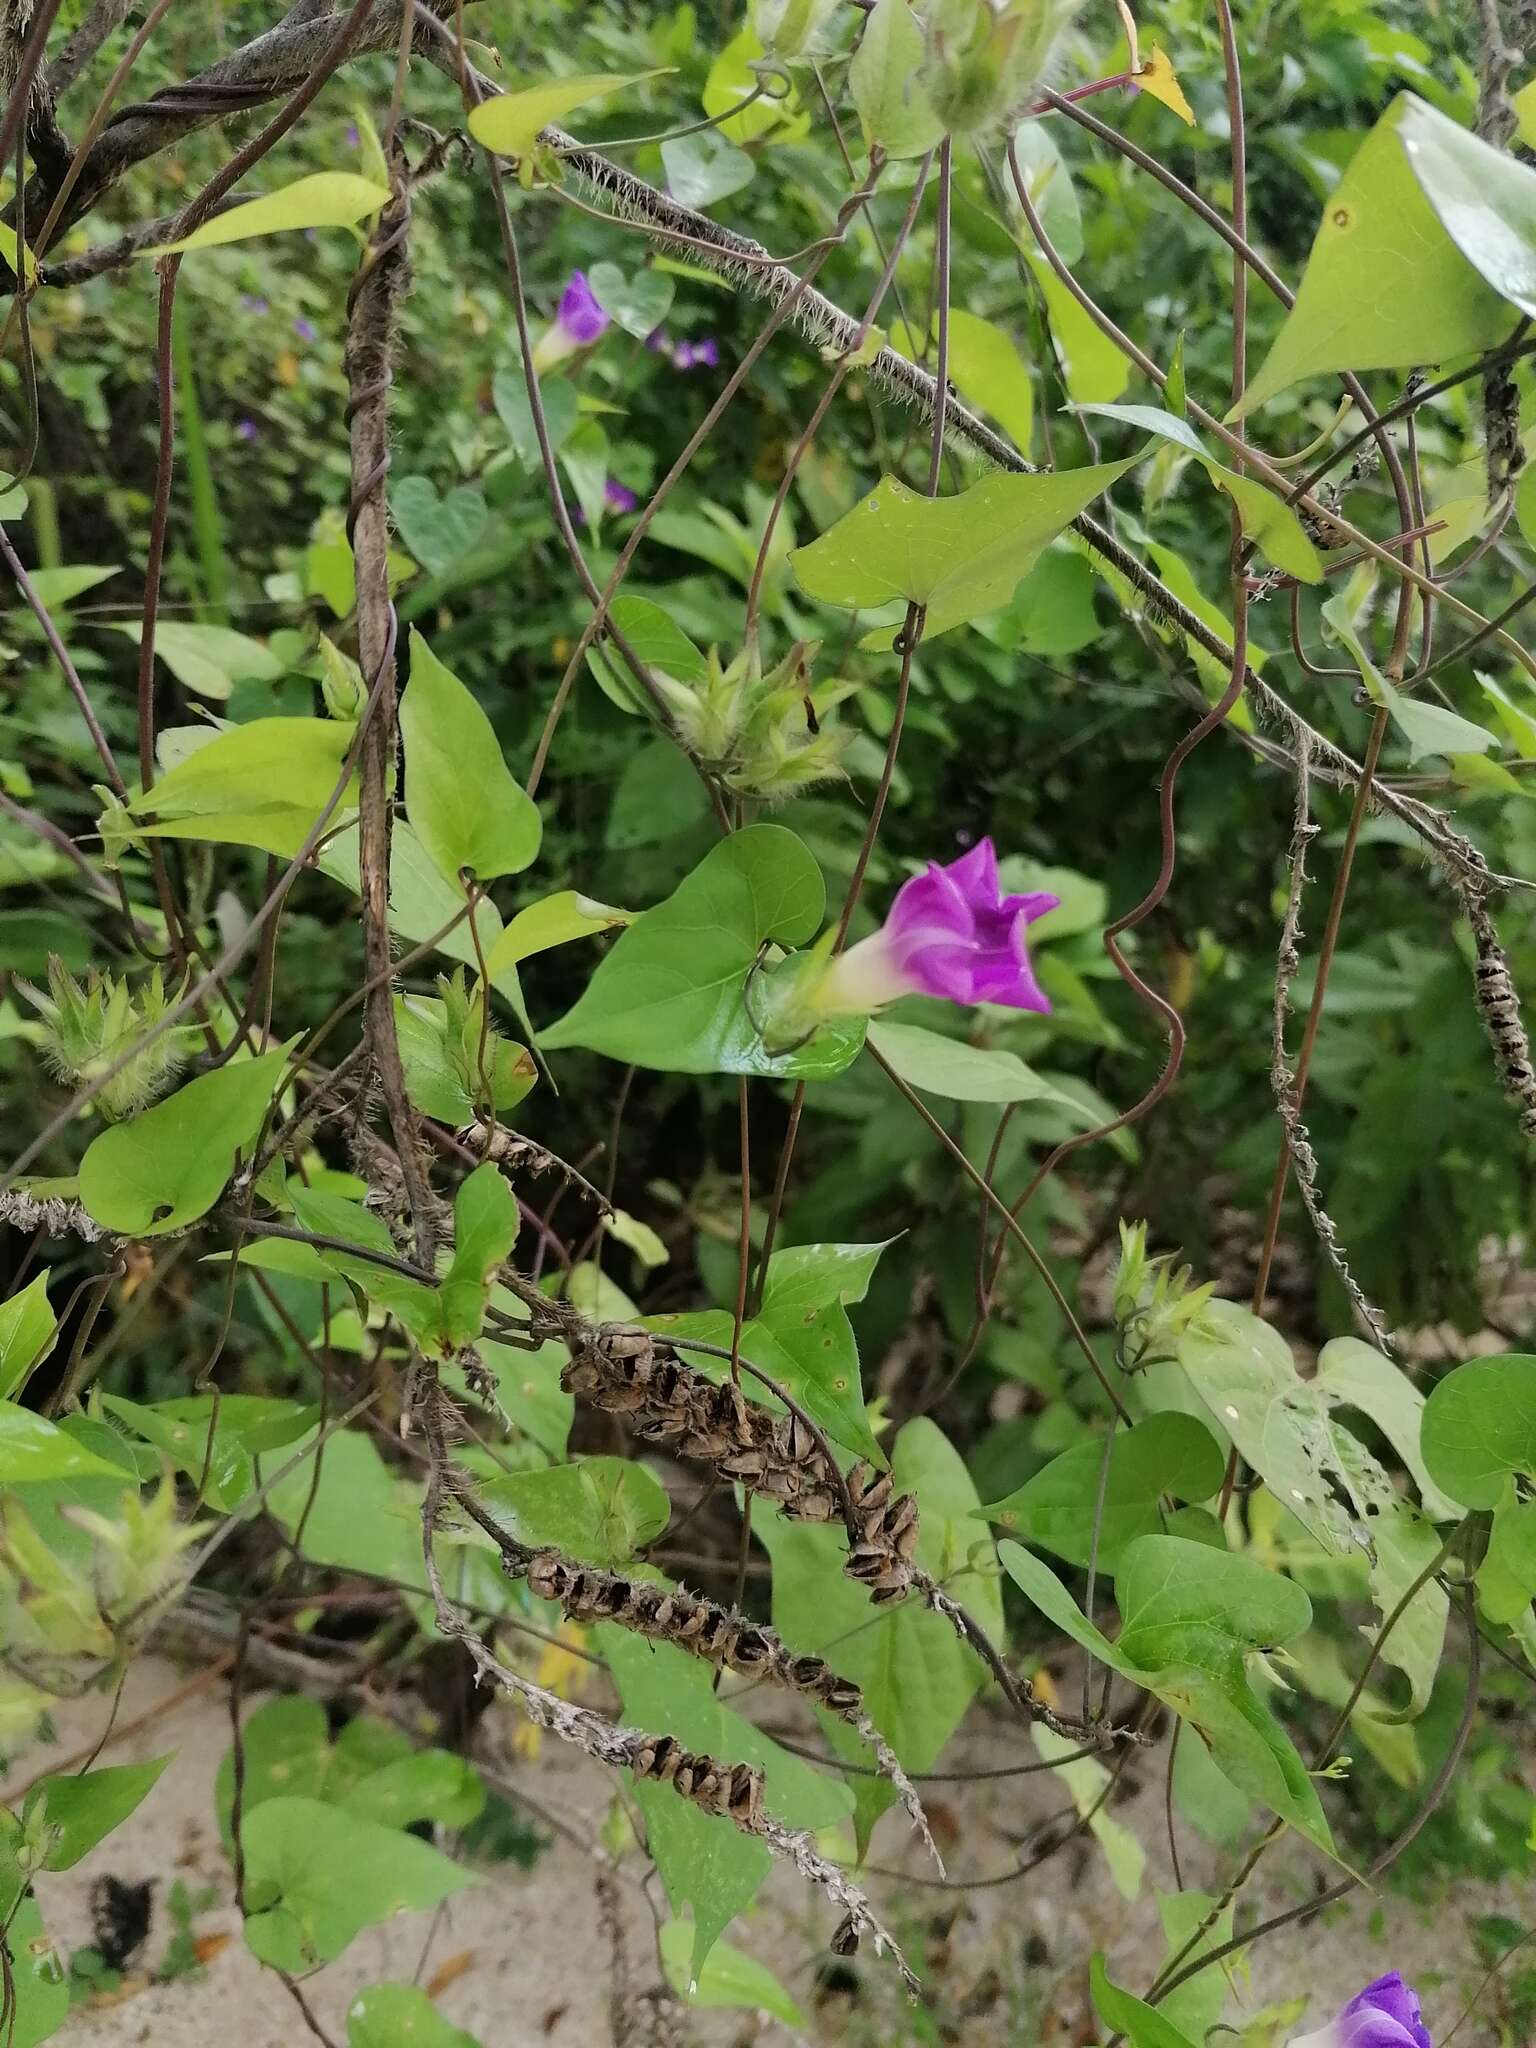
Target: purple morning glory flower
[
  {"x": 620, "y": 496},
  {"x": 248, "y": 430},
  {"x": 703, "y": 354},
  {"x": 950, "y": 933},
  {"x": 1385, "y": 2014},
  {"x": 579, "y": 321},
  {"x": 305, "y": 329},
  {"x": 579, "y": 314}
]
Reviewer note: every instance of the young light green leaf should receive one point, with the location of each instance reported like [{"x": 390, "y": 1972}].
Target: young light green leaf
[
  {"x": 27, "y": 1329},
  {"x": 986, "y": 369},
  {"x": 601, "y": 1510},
  {"x": 672, "y": 992},
  {"x": 32, "y": 1448},
  {"x": 326, "y": 199},
  {"x": 1480, "y": 1427},
  {"x": 467, "y": 810},
  {"x": 1142, "y": 2024},
  {"x": 552, "y": 921},
  {"x": 400, "y": 2016},
  {"x": 168, "y": 1166},
  {"x": 1168, "y": 1453},
  {"x": 1096, "y": 370},
  {"x": 208, "y": 659},
  {"x": 484, "y": 1232},
  {"x": 1266, "y": 519},
  {"x": 728, "y": 1979},
  {"x": 510, "y": 124},
  {"x": 422, "y": 900},
  {"x": 40, "y": 1976},
  {"x": 262, "y": 784},
  {"x": 83, "y": 1808},
  {"x": 1385, "y": 286},
  {"x": 958, "y": 556},
  {"x": 659, "y": 642},
  {"x": 965, "y": 1073},
  {"x": 355, "y": 1515},
  {"x": 316, "y": 1876},
  {"x": 885, "y": 79}
]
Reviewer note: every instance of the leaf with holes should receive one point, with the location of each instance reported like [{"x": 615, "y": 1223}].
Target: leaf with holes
[
  {"x": 1322, "y": 1474},
  {"x": 1385, "y": 286}
]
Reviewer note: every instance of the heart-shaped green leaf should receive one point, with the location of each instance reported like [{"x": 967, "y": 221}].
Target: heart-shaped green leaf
[
  {"x": 169, "y": 1165},
  {"x": 439, "y": 531},
  {"x": 958, "y": 556},
  {"x": 672, "y": 993},
  {"x": 639, "y": 302}
]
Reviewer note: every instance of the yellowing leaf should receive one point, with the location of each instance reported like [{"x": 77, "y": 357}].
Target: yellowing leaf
[
  {"x": 510, "y": 125},
  {"x": 1158, "y": 77},
  {"x": 11, "y": 251},
  {"x": 328, "y": 199}
]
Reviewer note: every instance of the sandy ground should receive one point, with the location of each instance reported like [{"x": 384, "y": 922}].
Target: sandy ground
[{"x": 521, "y": 1963}]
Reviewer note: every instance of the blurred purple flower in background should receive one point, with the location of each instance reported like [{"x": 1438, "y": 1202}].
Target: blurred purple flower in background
[
  {"x": 247, "y": 430},
  {"x": 253, "y": 302},
  {"x": 1385, "y": 2014},
  {"x": 951, "y": 933},
  {"x": 306, "y": 329},
  {"x": 620, "y": 496},
  {"x": 685, "y": 355}
]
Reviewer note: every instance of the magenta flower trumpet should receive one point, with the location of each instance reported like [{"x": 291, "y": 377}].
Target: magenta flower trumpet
[
  {"x": 1385, "y": 2014},
  {"x": 951, "y": 933},
  {"x": 579, "y": 321}
]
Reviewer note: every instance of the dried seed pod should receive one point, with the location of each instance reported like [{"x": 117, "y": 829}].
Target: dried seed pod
[{"x": 845, "y": 1936}]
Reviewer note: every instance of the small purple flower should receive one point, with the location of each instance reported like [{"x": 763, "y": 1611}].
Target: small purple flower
[
  {"x": 696, "y": 355},
  {"x": 1385, "y": 2014},
  {"x": 352, "y": 135},
  {"x": 248, "y": 430},
  {"x": 950, "y": 933},
  {"x": 305, "y": 329},
  {"x": 620, "y": 496},
  {"x": 582, "y": 318},
  {"x": 657, "y": 341},
  {"x": 253, "y": 302},
  {"x": 579, "y": 321}
]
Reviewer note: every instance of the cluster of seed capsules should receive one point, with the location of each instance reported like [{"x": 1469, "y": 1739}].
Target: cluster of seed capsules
[
  {"x": 734, "y": 1791},
  {"x": 628, "y": 1372},
  {"x": 701, "y": 1626}
]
